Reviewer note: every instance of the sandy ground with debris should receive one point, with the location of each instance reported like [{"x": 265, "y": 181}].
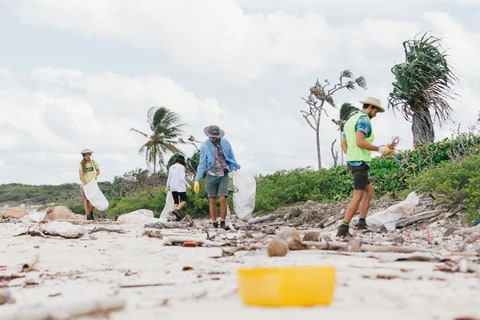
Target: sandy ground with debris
[{"x": 159, "y": 281}]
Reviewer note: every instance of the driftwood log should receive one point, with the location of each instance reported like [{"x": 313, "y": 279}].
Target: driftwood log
[
  {"x": 408, "y": 220},
  {"x": 169, "y": 240},
  {"x": 334, "y": 245},
  {"x": 10, "y": 277},
  {"x": 265, "y": 218},
  {"x": 82, "y": 221},
  {"x": 66, "y": 310},
  {"x": 98, "y": 229},
  {"x": 141, "y": 285}
]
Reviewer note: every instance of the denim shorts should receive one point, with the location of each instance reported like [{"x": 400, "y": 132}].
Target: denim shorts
[
  {"x": 216, "y": 185},
  {"x": 360, "y": 176}
]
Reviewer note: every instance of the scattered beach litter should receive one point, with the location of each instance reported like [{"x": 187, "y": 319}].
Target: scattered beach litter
[{"x": 52, "y": 258}]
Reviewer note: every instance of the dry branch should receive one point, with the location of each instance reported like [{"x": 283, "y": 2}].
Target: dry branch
[
  {"x": 141, "y": 285},
  {"x": 261, "y": 219},
  {"x": 98, "y": 229},
  {"x": 10, "y": 277},
  {"x": 334, "y": 245},
  {"x": 408, "y": 220},
  {"x": 180, "y": 239},
  {"x": 32, "y": 233}
]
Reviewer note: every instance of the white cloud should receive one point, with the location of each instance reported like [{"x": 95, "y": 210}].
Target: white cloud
[
  {"x": 462, "y": 46},
  {"x": 217, "y": 37},
  {"x": 243, "y": 65},
  {"x": 63, "y": 111}
]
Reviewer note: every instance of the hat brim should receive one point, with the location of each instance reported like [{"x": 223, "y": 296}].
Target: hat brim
[
  {"x": 220, "y": 135},
  {"x": 86, "y": 151},
  {"x": 380, "y": 109}
]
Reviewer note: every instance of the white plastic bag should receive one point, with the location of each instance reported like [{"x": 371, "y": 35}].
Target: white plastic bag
[
  {"x": 95, "y": 195},
  {"x": 390, "y": 216},
  {"x": 35, "y": 217},
  {"x": 245, "y": 188},
  {"x": 137, "y": 217},
  {"x": 167, "y": 208},
  {"x": 64, "y": 229}
]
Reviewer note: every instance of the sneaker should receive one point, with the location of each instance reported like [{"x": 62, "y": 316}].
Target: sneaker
[
  {"x": 177, "y": 216},
  {"x": 90, "y": 216},
  {"x": 223, "y": 225},
  {"x": 343, "y": 231},
  {"x": 362, "y": 225},
  {"x": 215, "y": 224}
]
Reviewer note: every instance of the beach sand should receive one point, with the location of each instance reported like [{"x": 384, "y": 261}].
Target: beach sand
[{"x": 198, "y": 283}]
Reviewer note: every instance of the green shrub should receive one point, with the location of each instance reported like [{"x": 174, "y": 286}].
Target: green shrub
[
  {"x": 472, "y": 199},
  {"x": 429, "y": 155},
  {"x": 385, "y": 175},
  {"x": 288, "y": 187},
  {"x": 454, "y": 183},
  {"x": 154, "y": 199},
  {"x": 433, "y": 167}
]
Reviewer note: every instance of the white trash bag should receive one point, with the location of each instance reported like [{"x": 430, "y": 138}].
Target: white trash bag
[
  {"x": 64, "y": 229},
  {"x": 95, "y": 195},
  {"x": 137, "y": 217},
  {"x": 165, "y": 215},
  {"x": 390, "y": 216},
  {"x": 244, "y": 192},
  {"x": 35, "y": 217}
]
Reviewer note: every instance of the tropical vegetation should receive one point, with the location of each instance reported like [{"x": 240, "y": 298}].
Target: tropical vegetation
[
  {"x": 446, "y": 169},
  {"x": 166, "y": 131},
  {"x": 423, "y": 86}
]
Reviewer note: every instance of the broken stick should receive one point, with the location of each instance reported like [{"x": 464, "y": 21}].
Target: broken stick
[
  {"x": 65, "y": 310},
  {"x": 334, "y": 245}
]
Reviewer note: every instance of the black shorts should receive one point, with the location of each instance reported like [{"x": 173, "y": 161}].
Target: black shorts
[
  {"x": 360, "y": 176},
  {"x": 177, "y": 196}
]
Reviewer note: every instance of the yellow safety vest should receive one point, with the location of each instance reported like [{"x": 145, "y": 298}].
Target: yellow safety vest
[{"x": 354, "y": 152}]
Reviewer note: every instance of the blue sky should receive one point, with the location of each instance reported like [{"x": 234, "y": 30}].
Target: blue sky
[{"x": 80, "y": 74}]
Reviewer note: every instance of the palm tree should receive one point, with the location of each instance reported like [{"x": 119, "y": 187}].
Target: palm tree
[
  {"x": 164, "y": 137},
  {"x": 423, "y": 85}
]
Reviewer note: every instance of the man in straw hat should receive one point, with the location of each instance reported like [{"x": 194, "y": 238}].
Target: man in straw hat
[
  {"x": 216, "y": 161},
  {"x": 357, "y": 144}
]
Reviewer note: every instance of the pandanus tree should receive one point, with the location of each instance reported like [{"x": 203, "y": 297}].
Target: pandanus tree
[
  {"x": 166, "y": 129},
  {"x": 423, "y": 86},
  {"x": 322, "y": 93}
]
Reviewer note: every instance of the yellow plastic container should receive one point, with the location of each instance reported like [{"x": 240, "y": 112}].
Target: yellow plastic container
[{"x": 287, "y": 286}]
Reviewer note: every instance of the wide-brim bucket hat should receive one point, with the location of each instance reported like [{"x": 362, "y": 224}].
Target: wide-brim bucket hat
[
  {"x": 373, "y": 102},
  {"x": 86, "y": 151},
  {"x": 214, "y": 131}
]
